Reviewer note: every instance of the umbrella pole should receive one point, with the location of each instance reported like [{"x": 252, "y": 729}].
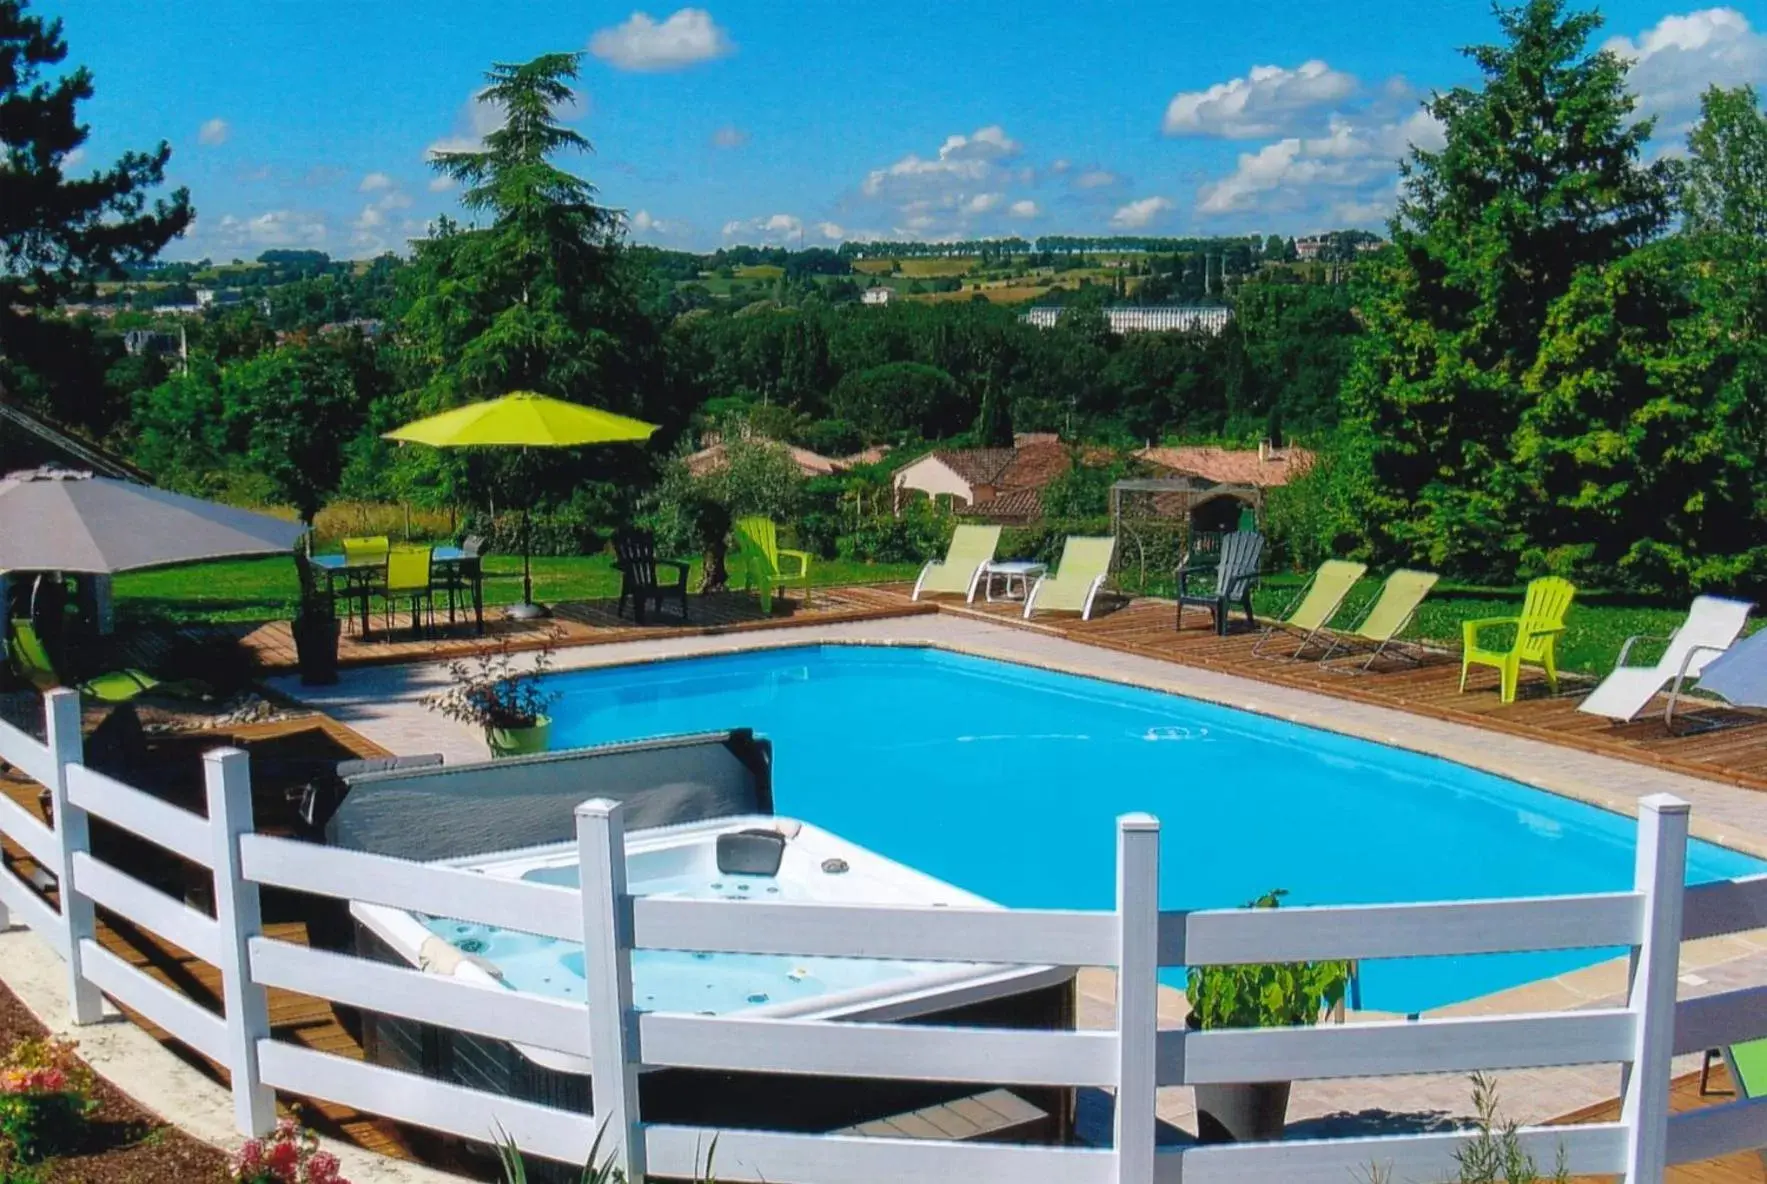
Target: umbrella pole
[
  {"x": 527, "y": 560},
  {"x": 527, "y": 610}
]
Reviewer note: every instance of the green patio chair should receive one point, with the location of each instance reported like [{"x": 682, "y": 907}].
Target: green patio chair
[
  {"x": 1385, "y": 619},
  {"x": 31, "y": 660},
  {"x": 1534, "y": 641},
  {"x": 970, "y": 550},
  {"x": 367, "y": 550},
  {"x": 409, "y": 577},
  {"x": 1309, "y": 615},
  {"x": 765, "y": 563},
  {"x": 1085, "y": 563}
]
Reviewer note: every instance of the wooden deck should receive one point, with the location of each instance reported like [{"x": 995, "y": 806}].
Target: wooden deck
[
  {"x": 1745, "y": 1167},
  {"x": 1735, "y": 752},
  {"x": 279, "y": 751},
  {"x": 593, "y": 622}
]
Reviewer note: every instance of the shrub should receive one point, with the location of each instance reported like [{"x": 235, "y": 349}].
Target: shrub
[
  {"x": 1265, "y": 995},
  {"x": 288, "y": 1155},
  {"x": 45, "y": 1096},
  {"x": 921, "y": 532}
]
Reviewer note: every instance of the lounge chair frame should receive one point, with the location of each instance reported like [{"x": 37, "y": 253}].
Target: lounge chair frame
[
  {"x": 1390, "y": 645},
  {"x": 1307, "y": 637}
]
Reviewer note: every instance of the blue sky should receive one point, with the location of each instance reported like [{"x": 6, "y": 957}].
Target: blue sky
[{"x": 305, "y": 123}]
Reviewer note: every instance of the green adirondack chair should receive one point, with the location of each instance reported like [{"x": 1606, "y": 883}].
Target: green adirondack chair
[
  {"x": 766, "y": 566},
  {"x": 1532, "y": 636},
  {"x": 32, "y": 662}
]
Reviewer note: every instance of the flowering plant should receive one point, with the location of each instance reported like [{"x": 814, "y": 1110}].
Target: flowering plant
[
  {"x": 45, "y": 1096},
  {"x": 489, "y": 691},
  {"x": 288, "y": 1155}
]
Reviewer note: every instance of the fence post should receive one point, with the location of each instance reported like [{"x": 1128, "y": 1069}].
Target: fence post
[
  {"x": 607, "y": 972},
  {"x": 1661, "y": 877},
  {"x": 1138, "y": 994},
  {"x": 61, "y": 712},
  {"x": 227, "y": 777}
]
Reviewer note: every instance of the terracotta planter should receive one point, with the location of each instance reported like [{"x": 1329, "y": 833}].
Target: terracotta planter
[{"x": 520, "y": 741}]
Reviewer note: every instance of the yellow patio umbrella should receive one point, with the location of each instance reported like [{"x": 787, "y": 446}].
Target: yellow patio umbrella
[{"x": 523, "y": 419}]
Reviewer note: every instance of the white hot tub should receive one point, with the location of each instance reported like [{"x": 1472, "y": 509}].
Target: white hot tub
[{"x": 681, "y": 862}]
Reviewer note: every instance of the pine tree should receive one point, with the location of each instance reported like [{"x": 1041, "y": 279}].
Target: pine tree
[{"x": 1539, "y": 178}]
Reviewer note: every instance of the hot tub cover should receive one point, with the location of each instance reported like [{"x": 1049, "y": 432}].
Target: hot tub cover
[{"x": 502, "y": 805}]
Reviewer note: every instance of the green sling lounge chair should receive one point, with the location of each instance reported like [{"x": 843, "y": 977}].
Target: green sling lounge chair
[
  {"x": 1534, "y": 641},
  {"x": 1747, "y": 1063},
  {"x": 1309, "y": 614},
  {"x": 1085, "y": 562},
  {"x": 765, "y": 563},
  {"x": 33, "y": 664},
  {"x": 971, "y": 549},
  {"x": 1385, "y": 619}
]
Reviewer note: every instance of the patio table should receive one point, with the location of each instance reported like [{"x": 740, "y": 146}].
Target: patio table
[
  {"x": 334, "y": 566},
  {"x": 1008, "y": 570}
]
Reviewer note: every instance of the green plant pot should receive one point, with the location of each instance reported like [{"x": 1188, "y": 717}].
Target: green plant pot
[{"x": 520, "y": 741}]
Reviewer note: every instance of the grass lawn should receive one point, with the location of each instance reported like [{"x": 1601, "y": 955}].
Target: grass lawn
[{"x": 266, "y": 589}]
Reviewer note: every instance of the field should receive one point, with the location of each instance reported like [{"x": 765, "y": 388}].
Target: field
[
  {"x": 759, "y": 271},
  {"x": 917, "y": 267}
]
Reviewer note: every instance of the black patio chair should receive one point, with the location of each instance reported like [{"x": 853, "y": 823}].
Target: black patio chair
[
  {"x": 635, "y": 552},
  {"x": 1220, "y": 581}
]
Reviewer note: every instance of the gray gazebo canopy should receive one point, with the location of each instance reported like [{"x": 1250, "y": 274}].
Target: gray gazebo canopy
[{"x": 68, "y": 521}]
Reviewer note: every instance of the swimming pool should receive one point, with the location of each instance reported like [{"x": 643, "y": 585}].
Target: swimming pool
[{"x": 1006, "y": 781}]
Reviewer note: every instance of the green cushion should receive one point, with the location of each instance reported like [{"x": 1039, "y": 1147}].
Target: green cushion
[{"x": 119, "y": 686}]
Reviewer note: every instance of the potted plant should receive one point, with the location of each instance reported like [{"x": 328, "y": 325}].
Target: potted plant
[
  {"x": 509, "y": 705},
  {"x": 1267, "y": 995}
]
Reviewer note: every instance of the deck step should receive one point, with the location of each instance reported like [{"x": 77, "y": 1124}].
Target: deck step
[{"x": 998, "y": 1116}]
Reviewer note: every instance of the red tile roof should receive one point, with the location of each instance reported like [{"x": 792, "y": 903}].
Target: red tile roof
[{"x": 1232, "y": 466}]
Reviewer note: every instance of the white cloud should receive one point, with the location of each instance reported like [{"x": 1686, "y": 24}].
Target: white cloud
[
  {"x": 774, "y": 229},
  {"x": 1058, "y": 167},
  {"x": 961, "y": 160},
  {"x": 440, "y": 184},
  {"x": 374, "y": 182},
  {"x": 981, "y": 203},
  {"x": 1352, "y": 167},
  {"x": 273, "y": 228},
  {"x": 371, "y": 218},
  {"x": 213, "y": 132},
  {"x": 1025, "y": 208},
  {"x": 72, "y": 159},
  {"x": 729, "y": 136},
  {"x": 1677, "y": 58},
  {"x": 1270, "y": 101},
  {"x": 641, "y": 43},
  {"x": 642, "y": 222},
  {"x": 1139, "y": 213},
  {"x": 833, "y": 231},
  {"x": 1095, "y": 179}
]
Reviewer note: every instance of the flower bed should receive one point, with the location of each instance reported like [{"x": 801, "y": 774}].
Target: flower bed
[{"x": 110, "y": 1140}]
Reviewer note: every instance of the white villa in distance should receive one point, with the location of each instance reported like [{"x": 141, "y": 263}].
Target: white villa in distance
[
  {"x": 877, "y": 295},
  {"x": 1146, "y": 318}
]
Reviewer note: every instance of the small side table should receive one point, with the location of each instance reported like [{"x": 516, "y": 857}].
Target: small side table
[{"x": 1022, "y": 570}]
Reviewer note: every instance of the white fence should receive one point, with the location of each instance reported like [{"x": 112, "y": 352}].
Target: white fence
[{"x": 1133, "y": 1060}]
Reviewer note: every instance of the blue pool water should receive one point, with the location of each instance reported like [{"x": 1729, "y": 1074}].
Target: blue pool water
[{"x": 1006, "y": 781}]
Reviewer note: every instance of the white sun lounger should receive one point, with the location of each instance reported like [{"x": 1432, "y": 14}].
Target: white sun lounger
[{"x": 1712, "y": 624}]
